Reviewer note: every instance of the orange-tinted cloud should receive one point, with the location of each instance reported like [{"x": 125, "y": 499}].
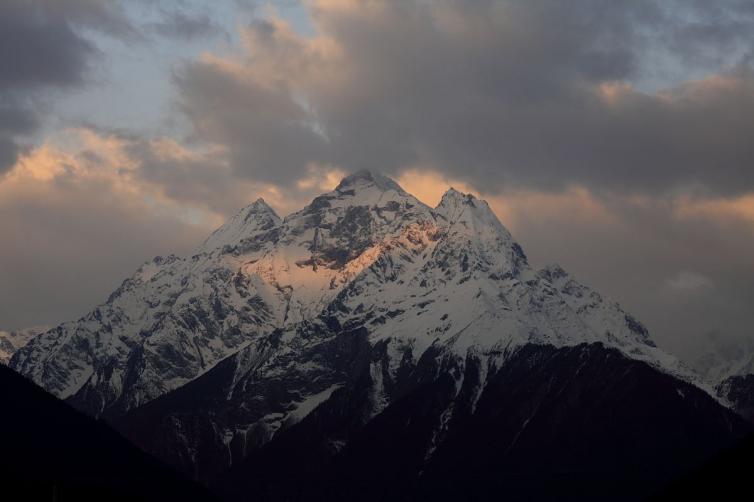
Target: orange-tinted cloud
[{"x": 718, "y": 208}]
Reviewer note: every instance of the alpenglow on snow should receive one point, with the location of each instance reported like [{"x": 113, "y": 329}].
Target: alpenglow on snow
[{"x": 449, "y": 279}]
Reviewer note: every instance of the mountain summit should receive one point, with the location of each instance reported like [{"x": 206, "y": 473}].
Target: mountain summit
[
  {"x": 327, "y": 321},
  {"x": 368, "y": 178}
]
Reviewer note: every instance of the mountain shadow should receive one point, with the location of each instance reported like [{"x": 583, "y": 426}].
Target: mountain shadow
[
  {"x": 51, "y": 452},
  {"x": 578, "y": 423}
]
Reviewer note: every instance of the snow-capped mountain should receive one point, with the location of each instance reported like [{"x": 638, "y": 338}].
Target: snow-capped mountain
[
  {"x": 367, "y": 253},
  {"x": 11, "y": 341},
  {"x": 350, "y": 306},
  {"x": 168, "y": 323},
  {"x": 724, "y": 359},
  {"x": 729, "y": 368}
]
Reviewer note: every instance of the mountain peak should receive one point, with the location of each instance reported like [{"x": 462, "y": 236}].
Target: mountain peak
[
  {"x": 455, "y": 197},
  {"x": 455, "y": 205},
  {"x": 257, "y": 208},
  {"x": 255, "y": 217},
  {"x": 368, "y": 178}
]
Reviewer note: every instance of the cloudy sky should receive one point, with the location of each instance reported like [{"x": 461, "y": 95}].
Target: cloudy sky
[{"x": 613, "y": 137}]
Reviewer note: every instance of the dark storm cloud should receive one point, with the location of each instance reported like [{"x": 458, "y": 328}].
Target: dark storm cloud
[
  {"x": 36, "y": 49},
  {"x": 520, "y": 93},
  {"x": 514, "y": 97},
  {"x": 41, "y": 49},
  {"x": 16, "y": 120},
  {"x": 267, "y": 133}
]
